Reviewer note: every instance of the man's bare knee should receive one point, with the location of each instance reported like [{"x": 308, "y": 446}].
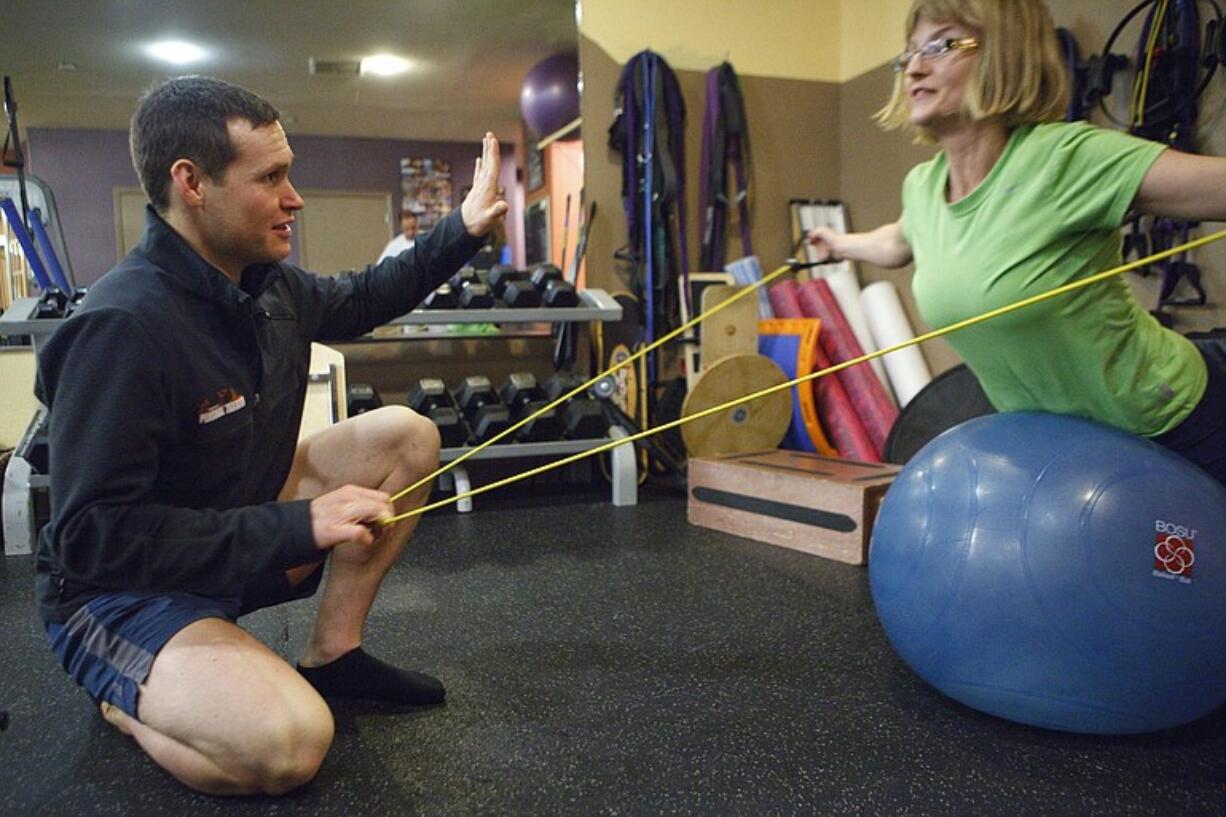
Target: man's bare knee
[
  {"x": 419, "y": 435},
  {"x": 226, "y": 715},
  {"x": 414, "y": 439},
  {"x": 386, "y": 448},
  {"x": 288, "y": 753}
]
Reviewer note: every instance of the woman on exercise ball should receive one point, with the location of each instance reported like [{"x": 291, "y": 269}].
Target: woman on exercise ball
[{"x": 1016, "y": 203}]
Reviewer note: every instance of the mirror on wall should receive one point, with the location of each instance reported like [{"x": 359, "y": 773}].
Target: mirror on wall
[{"x": 436, "y": 76}]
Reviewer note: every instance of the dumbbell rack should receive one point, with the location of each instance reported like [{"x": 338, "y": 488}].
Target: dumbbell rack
[{"x": 594, "y": 305}]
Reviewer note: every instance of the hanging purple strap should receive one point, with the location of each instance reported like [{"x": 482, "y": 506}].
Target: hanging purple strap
[
  {"x": 725, "y": 141},
  {"x": 708, "y": 215},
  {"x": 649, "y": 206}
]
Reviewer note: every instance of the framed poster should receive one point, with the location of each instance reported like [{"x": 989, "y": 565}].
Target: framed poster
[{"x": 426, "y": 188}]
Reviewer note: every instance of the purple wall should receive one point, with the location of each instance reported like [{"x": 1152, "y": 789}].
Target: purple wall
[{"x": 83, "y": 167}]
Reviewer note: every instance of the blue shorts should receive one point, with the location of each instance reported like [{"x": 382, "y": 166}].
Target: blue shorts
[
  {"x": 108, "y": 645},
  {"x": 1201, "y": 437}
]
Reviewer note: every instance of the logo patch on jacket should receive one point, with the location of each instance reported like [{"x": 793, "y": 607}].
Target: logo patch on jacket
[{"x": 228, "y": 401}]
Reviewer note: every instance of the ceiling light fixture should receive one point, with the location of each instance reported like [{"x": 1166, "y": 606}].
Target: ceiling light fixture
[
  {"x": 176, "y": 52},
  {"x": 385, "y": 65}
]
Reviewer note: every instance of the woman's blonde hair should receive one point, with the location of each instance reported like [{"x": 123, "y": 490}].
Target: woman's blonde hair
[{"x": 1020, "y": 77}]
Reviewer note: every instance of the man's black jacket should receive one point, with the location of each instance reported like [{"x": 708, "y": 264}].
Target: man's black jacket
[{"x": 175, "y": 398}]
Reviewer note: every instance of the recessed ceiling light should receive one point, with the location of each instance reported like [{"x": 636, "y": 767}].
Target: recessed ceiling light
[
  {"x": 176, "y": 52},
  {"x": 385, "y": 65}
]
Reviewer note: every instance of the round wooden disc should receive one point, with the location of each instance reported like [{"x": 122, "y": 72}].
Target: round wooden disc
[{"x": 751, "y": 426}]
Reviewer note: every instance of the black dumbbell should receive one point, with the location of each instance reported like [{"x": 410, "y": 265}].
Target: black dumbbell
[
  {"x": 442, "y": 298},
  {"x": 431, "y": 399},
  {"x": 500, "y": 275},
  {"x": 465, "y": 275},
  {"x": 543, "y": 274},
  {"x": 524, "y": 398},
  {"x": 513, "y": 287},
  {"x": 476, "y": 296},
  {"x": 520, "y": 294},
  {"x": 582, "y": 415},
  {"x": 560, "y": 294},
  {"x": 53, "y": 304},
  {"x": 361, "y": 397},
  {"x": 554, "y": 289},
  {"x": 486, "y": 415}
]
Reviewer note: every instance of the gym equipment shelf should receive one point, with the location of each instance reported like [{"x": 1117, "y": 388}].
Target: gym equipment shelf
[{"x": 594, "y": 305}]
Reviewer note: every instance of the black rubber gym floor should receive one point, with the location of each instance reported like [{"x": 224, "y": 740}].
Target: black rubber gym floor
[{"x": 616, "y": 661}]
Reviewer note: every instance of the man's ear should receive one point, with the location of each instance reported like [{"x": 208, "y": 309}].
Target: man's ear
[{"x": 187, "y": 181}]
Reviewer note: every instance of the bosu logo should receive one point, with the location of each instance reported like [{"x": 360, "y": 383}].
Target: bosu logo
[{"x": 1174, "y": 551}]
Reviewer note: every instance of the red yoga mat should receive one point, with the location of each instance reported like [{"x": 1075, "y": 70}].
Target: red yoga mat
[
  {"x": 875, "y": 408},
  {"x": 834, "y": 408},
  {"x": 783, "y": 299}
]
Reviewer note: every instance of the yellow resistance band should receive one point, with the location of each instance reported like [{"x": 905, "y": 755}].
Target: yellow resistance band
[
  {"x": 655, "y": 345},
  {"x": 936, "y": 333}
]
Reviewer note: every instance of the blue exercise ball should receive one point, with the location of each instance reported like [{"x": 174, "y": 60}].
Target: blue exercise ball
[
  {"x": 1056, "y": 572},
  {"x": 549, "y": 99}
]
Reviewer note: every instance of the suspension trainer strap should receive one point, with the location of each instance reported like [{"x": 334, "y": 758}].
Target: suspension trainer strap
[
  {"x": 649, "y": 131},
  {"x": 725, "y": 142}
]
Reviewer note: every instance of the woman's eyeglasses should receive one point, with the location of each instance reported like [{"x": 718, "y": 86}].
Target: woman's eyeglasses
[{"x": 936, "y": 48}]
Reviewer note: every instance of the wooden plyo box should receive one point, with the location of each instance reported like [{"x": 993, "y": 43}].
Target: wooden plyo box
[{"x": 820, "y": 505}]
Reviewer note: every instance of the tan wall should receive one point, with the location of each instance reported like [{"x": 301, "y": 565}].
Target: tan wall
[
  {"x": 793, "y": 39},
  {"x": 794, "y": 127},
  {"x": 870, "y": 34}
]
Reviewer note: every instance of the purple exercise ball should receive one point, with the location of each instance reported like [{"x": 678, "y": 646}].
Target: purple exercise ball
[{"x": 549, "y": 99}]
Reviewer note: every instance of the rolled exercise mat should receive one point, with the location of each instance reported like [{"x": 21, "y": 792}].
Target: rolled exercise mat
[
  {"x": 846, "y": 288},
  {"x": 835, "y": 412},
  {"x": 790, "y": 343},
  {"x": 783, "y": 299},
  {"x": 887, "y": 320},
  {"x": 838, "y": 416},
  {"x": 808, "y": 214},
  {"x": 875, "y": 408},
  {"x": 750, "y": 426}
]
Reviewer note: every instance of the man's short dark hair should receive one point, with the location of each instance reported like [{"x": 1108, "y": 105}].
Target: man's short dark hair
[{"x": 185, "y": 118}]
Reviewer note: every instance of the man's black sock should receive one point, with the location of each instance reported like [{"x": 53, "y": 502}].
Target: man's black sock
[{"x": 359, "y": 675}]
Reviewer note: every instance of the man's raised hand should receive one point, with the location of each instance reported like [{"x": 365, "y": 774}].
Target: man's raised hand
[{"x": 482, "y": 207}]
